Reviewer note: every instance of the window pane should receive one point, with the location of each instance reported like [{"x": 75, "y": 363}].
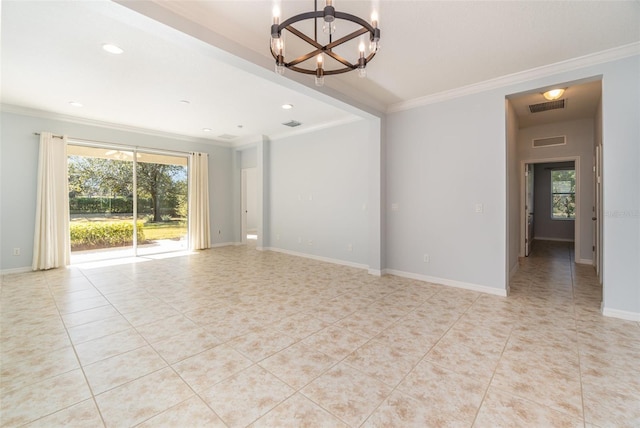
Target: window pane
[
  {"x": 563, "y": 188},
  {"x": 564, "y": 206}
]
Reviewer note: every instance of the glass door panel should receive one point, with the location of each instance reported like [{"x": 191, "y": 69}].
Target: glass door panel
[
  {"x": 100, "y": 203},
  {"x": 161, "y": 203}
]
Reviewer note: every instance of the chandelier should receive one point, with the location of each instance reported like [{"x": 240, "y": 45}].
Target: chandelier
[{"x": 319, "y": 50}]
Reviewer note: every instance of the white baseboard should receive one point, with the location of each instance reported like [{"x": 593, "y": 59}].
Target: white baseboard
[
  {"x": 376, "y": 272},
  {"x": 542, "y": 238},
  {"x": 319, "y": 258},
  {"x": 23, "y": 269},
  {"x": 225, "y": 244},
  {"x": 585, "y": 262},
  {"x": 623, "y": 315},
  {"x": 449, "y": 282}
]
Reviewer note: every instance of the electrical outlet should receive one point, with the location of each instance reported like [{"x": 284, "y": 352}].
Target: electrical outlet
[
  {"x": 16, "y": 251},
  {"x": 350, "y": 247},
  {"x": 277, "y": 236},
  {"x": 299, "y": 240},
  {"x": 427, "y": 258},
  {"x": 310, "y": 243}
]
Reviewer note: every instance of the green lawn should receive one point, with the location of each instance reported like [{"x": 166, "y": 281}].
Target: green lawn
[{"x": 169, "y": 230}]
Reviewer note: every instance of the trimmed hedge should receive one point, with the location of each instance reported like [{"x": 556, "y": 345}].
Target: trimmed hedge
[
  {"x": 99, "y": 205},
  {"x": 104, "y": 234}
]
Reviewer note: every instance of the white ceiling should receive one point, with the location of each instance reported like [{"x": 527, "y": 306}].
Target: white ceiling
[{"x": 51, "y": 55}]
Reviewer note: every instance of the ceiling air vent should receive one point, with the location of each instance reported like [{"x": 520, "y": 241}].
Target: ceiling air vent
[
  {"x": 227, "y": 136},
  {"x": 551, "y": 105},
  {"x": 292, "y": 123},
  {"x": 550, "y": 141}
]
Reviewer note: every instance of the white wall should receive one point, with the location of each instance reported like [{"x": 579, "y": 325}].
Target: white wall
[
  {"x": 249, "y": 158},
  {"x": 580, "y": 141},
  {"x": 19, "y": 163},
  {"x": 443, "y": 158},
  {"x": 621, "y": 193},
  {"x": 318, "y": 193}
]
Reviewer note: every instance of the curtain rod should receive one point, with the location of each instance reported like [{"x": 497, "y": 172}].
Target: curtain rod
[
  {"x": 103, "y": 144},
  {"x": 54, "y": 136}
]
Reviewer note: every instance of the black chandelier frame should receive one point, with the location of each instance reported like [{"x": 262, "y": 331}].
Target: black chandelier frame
[{"x": 328, "y": 14}]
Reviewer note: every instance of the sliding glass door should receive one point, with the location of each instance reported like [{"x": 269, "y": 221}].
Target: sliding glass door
[{"x": 125, "y": 203}]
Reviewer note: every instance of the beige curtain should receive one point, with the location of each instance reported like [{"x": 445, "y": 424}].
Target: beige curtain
[
  {"x": 199, "y": 229},
  {"x": 51, "y": 246}
]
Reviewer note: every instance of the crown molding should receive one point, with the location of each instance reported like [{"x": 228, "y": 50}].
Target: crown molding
[
  {"x": 601, "y": 57},
  {"x": 26, "y": 111}
]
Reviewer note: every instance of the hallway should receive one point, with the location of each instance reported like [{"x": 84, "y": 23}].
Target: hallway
[{"x": 571, "y": 346}]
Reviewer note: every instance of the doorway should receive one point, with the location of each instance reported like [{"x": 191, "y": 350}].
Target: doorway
[
  {"x": 550, "y": 203},
  {"x": 249, "y": 205},
  {"x": 538, "y": 131}
]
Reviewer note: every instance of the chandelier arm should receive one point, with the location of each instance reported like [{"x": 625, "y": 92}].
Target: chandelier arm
[
  {"x": 303, "y": 58},
  {"x": 338, "y": 71},
  {"x": 304, "y": 37},
  {"x": 341, "y": 60},
  {"x": 302, "y": 70},
  {"x": 345, "y": 39}
]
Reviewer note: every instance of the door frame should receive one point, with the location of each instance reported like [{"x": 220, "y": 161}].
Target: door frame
[
  {"x": 243, "y": 205},
  {"x": 523, "y": 198},
  {"x": 529, "y": 206},
  {"x": 598, "y": 212}
]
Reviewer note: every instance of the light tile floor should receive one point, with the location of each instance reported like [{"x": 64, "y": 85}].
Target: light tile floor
[{"x": 236, "y": 337}]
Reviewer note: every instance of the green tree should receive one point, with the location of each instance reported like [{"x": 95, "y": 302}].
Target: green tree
[
  {"x": 90, "y": 176},
  {"x": 563, "y": 183},
  {"x": 158, "y": 181}
]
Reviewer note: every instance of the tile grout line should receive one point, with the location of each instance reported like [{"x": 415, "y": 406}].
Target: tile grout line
[
  {"x": 576, "y": 316},
  {"x": 75, "y": 352}
]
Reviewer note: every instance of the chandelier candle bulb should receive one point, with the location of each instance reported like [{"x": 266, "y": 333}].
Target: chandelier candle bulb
[
  {"x": 362, "y": 62},
  {"x": 320, "y": 71}
]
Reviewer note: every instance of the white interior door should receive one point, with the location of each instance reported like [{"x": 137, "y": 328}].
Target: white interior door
[
  {"x": 528, "y": 208},
  {"x": 243, "y": 205},
  {"x": 597, "y": 213}
]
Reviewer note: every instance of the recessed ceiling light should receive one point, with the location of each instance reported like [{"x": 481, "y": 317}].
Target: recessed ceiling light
[
  {"x": 206, "y": 129},
  {"x": 75, "y": 104},
  {"x": 112, "y": 49},
  {"x": 185, "y": 102},
  {"x": 287, "y": 106},
  {"x": 240, "y": 126}
]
